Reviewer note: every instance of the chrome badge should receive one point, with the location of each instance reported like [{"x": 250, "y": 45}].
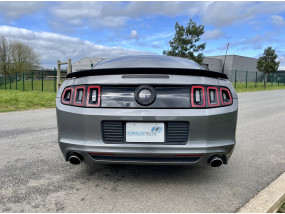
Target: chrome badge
[{"x": 145, "y": 95}]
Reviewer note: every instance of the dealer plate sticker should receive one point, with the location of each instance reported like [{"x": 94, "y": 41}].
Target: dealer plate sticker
[{"x": 145, "y": 132}]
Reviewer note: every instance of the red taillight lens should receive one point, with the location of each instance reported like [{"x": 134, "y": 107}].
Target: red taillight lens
[
  {"x": 226, "y": 96},
  {"x": 77, "y": 96},
  {"x": 210, "y": 96},
  {"x": 93, "y": 96},
  {"x": 213, "y": 96},
  {"x": 198, "y": 97},
  {"x": 202, "y": 96},
  {"x": 66, "y": 97}
]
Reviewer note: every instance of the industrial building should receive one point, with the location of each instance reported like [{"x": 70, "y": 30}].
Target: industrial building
[{"x": 234, "y": 63}]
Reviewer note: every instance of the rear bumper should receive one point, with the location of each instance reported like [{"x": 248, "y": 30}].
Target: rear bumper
[
  {"x": 135, "y": 154},
  {"x": 211, "y": 132}
]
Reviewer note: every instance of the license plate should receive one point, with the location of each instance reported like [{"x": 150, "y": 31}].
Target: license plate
[{"x": 145, "y": 132}]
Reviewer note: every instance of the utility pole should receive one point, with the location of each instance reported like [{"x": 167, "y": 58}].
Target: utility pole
[{"x": 223, "y": 69}]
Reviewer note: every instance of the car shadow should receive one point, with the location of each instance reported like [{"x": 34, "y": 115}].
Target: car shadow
[{"x": 147, "y": 173}]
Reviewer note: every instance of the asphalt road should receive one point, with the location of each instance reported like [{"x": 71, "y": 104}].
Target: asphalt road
[{"x": 35, "y": 178}]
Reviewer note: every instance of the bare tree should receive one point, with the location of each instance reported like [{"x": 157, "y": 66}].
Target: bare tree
[
  {"x": 23, "y": 58},
  {"x": 4, "y": 56},
  {"x": 16, "y": 57}
]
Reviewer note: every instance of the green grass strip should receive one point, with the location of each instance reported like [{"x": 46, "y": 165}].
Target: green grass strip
[
  {"x": 241, "y": 88},
  {"x": 12, "y": 100}
]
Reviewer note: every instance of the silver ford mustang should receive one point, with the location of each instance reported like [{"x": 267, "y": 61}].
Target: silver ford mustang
[{"x": 147, "y": 110}]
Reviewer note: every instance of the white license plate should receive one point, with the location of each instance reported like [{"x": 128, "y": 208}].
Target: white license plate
[{"x": 145, "y": 132}]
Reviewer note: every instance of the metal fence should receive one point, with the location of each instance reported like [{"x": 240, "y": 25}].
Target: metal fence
[
  {"x": 255, "y": 79},
  {"x": 43, "y": 80},
  {"x": 46, "y": 80}
]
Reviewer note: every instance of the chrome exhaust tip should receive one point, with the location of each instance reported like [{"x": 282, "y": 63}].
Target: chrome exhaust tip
[
  {"x": 215, "y": 161},
  {"x": 74, "y": 159}
]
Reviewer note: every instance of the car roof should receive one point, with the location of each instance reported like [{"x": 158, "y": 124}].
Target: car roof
[{"x": 147, "y": 61}]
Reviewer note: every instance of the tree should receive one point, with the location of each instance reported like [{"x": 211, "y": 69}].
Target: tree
[
  {"x": 184, "y": 42},
  {"x": 267, "y": 63},
  {"x": 23, "y": 58},
  {"x": 4, "y": 56},
  {"x": 16, "y": 57}
]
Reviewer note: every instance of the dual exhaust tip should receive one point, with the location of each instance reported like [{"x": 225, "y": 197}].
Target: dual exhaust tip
[
  {"x": 214, "y": 161},
  {"x": 75, "y": 159}
]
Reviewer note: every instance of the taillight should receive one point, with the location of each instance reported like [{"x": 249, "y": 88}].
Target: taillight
[
  {"x": 93, "y": 96},
  {"x": 210, "y": 96},
  {"x": 226, "y": 96},
  {"x": 202, "y": 96},
  {"x": 198, "y": 96},
  {"x": 213, "y": 96},
  {"x": 67, "y": 96},
  {"x": 77, "y": 96}
]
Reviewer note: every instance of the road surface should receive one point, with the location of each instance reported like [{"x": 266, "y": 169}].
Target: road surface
[{"x": 35, "y": 178}]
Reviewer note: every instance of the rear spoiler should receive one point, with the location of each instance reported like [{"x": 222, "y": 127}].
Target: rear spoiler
[{"x": 170, "y": 71}]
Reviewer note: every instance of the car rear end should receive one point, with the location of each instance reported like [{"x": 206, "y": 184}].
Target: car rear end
[{"x": 104, "y": 119}]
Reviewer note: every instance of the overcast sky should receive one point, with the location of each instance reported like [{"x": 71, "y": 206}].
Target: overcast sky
[{"x": 62, "y": 30}]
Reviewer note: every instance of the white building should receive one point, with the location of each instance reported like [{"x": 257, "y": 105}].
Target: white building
[{"x": 85, "y": 63}]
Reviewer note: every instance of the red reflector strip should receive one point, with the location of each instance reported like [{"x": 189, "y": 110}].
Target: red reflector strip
[
  {"x": 190, "y": 155},
  {"x": 99, "y": 154}
]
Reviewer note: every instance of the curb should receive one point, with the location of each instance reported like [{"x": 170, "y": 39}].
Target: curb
[{"x": 268, "y": 200}]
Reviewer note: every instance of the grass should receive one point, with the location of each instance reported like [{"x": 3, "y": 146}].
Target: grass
[
  {"x": 36, "y": 85},
  {"x": 241, "y": 87},
  {"x": 12, "y": 100}
]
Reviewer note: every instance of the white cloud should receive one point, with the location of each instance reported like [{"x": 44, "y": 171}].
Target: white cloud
[
  {"x": 52, "y": 47},
  {"x": 212, "y": 34},
  {"x": 257, "y": 42},
  {"x": 155, "y": 42},
  {"x": 167, "y": 8},
  {"x": 117, "y": 14},
  {"x": 281, "y": 59},
  {"x": 159, "y": 36},
  {"x": 14, "y": 10},
  {"x": 278, "y": 21},
  {"x": 222, "y": 14},
  {"x": 134, "y": 34},
  {"x": 226, "y": 13},
  {"x": 90, "y": 13}
]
